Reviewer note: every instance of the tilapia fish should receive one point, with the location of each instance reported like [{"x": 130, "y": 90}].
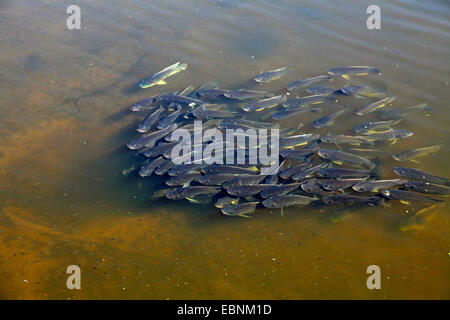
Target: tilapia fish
[
  {"x": 271, "y": 75},
  {"x": 287, "y": 201},
  {"x": 189, "y": 192},
  {"x": 240, "y": 209},
  {"x": 340, "y": 156},
  {"x": 353, "y": 70},
  {"x": 415, "y": 153},
  {"x": 420, "y": 175},
  {"x": 158, "y": 78},
  {"x": 264, "y": 104},
  {"x": 371, "y": 107},
  {"x": 307, "y": 81}
]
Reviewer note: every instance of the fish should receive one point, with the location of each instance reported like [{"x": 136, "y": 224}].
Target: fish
[
  {"x": 244, "y": 180},
  {"x": 158, "y": 78},
  {"x": 190, "y": 192},
  {"x": 341, "y": 139},
  {"x": 212, "y": 93},
  {"x": 164, "y": 167},
  {"x": 348, "y": 199},
  {"x": 314, "y": 186},
  {"x": 245, "y": 191},
  {"x": 242, "y": 94},
  {"x": 371, "y": 107},
  {"x": 279, "y": 190},
  {"x": 406, "y": 196},
  {"x": 290, "y": 112},
  {"x": 415, "y": 153},
  {"x": 289, "y": 172},
  {"x": 340, "y": 185},
  {"x": 321, "y": 90},
  {"x": 218, "y": 168},
  {"x": 297, "y": 153},
  {"x": 377, "y": 185},
  {"x": 213, "y": 114},
  {"x": 307, "y": 81},
  {"x": 148, "y": 123},
  {"x": 340, "y": 173},
  {"x": 216, "y": 178},
  {"x": 230, "y": 123},
  {"x": 271, "y": 75},
  {"x": 168, "y": 120},
  {"x": 420, "y": 175},
  {"x": 328, "y": 120},
  {"x": 148, "y": 168},
  {"x": 159, "y": 149},
  {"x": 240, "y": 209},
  {"x": 340, "y": 156},
  {"x": 187, "y": 91},
  {"x": 388, "y": 135},
  {"x": 399, "y": 113},
  {"x": 427, "y": 187},
  {"x": 183, "y": 180},
  {"x": 371, "y": 127},
  {"x": 361, "y": 90},
  {"x": 226, "y": 202},
  {"x": 287, "y": 201},
  {"x": 210, "y": 85},
  {"x": 345, "y": 72},
  {"x": 149, "y": 139},
  {"x": 308, "y": 172},
  {"x": 143, "y": 104},
  {"x": 264, "y": 104},
  {"x": 298, "y": 140},
  {"x": 183, "y": 168},
  {"x": 308, "y": 100},
  {"x": 173, "y": 98}
]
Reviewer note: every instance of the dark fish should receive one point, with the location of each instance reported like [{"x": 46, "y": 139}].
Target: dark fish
[
  {"x": 313, "y": 186},
  {"x": 290, "y": 112},
  {"x": 415, "y": 153},
  {"x": 148, "y": 168},
  {"x": 216, "y": 178},
  {"x": 226, "y": 202},
  {"x": 289, "y": 172},
  {"x": 340, "y": 139},
  {"x": 244, "y": 191},
  {"x": 308, "y": 172},
  {"x": 230, "y": 123},
  {"x": 353, "y": 70},
  {"x": 158, "y": 78},
  {"x": 426, "y": 187},
  {"x": 420, "y": 175},
  {"x": 340, "y": 157},
  {"x": 213, "y": 93},
  {"x": 240, "y": 209},
  {"x": 171, "y": 98},
  {"x": 189, "y": 192},
  {"x": 372, "y": 127},
  {"x": 149, "y": 139},
  {"x": 371, "y": 107},
  {"x": 147, "y": 124},
  {"x": 279, "y": 190},
  {"x": 308, "y": 100},
  {"x": 244, "y": 180},
  {"x": 297, "y": 153},
  {"x": 287, "y": 201},
  {"x": 159, "y": 149},
  {"x": 143, "y": 104},
  {"x": 307, "y": 82},
  {"x": 406, "y": 196},
  {"x": 328, "y": 120},
  {"x": 264, "y": 104},
  {"x": 168, "y": 120},
  {"x": 339, "y": 173},
  {"x": 180, "y": 169},
  {"x": 377, "y": 185},
  {"x": 271, "y": 75},
  {"x": 339, "y": 185},
  {"x": 187, "y": 91},
  {"x": 213, "y": 114},
  {"x": 389, "y": 135},
  {"x": 320, "y": 90},
  {"x": 183, "y": 180},
  {"x": 399, "y": 113},
  {"x": 298, "y": 140},
  {"x": 242, "y": 94},
  {"x": 165, "y": 167},
  {"x": 346, "y": 199},
  {"x": 210, "y": 85},
  {"x": 362, "y": 90},
  {"x": 218, "y": 168}
]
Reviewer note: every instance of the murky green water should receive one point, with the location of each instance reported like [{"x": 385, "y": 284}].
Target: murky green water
[{"x": 64, "y": 124}]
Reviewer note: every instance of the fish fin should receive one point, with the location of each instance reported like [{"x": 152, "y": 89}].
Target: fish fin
[
  {"x": 282, "y": 211},
  {"x": 338, "y": 146},
  {"x": 187, "y": 184},
  {"x": 244, "y": 216},
  {"x": 192, "y": 200},
  {"x": 415, "y": 161},
  {"x": 161, "y": 82},
  {"x": 393, "y": 142},
  {"x": 338, "y": 162},
  {"x": 346, "y": 77},
  {"x": 405, "y": 202}
]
